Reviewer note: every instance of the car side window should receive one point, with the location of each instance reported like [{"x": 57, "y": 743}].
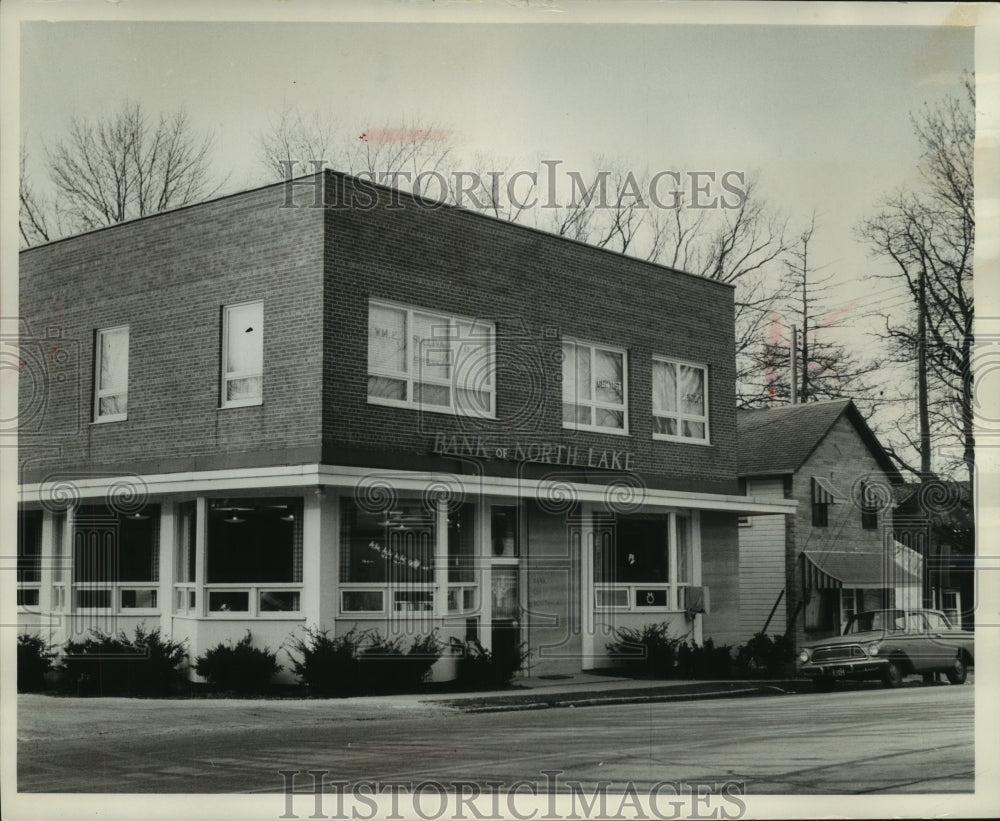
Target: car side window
[
  {"x": 937, "y": 622},
  {"x": 916, "y": 623}
]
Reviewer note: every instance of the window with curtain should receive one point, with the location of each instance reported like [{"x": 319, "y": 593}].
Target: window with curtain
[
  {"x": 430, "y": 361},
  {"x": 111, "y": 375},
  {"x": 594, "y": 387},
  {"x": 680, "y": 400},
  {"x": 242, "y": 354}
]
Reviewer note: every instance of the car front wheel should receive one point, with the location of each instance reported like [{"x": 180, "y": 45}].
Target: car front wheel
[
  {"x": 892, "y": 676},
  {"x": 958, "y": 672}
]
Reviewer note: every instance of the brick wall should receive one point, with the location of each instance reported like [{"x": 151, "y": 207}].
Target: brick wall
[
  {"x": 536, "y": 288},
  {"x": 167, "y": 277}
]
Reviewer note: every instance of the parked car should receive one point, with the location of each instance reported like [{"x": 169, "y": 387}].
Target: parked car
[{"x": 888, "y": 645}]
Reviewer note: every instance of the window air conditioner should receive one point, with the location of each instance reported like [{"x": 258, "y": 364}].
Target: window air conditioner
[{"x": 695, "y": 600}]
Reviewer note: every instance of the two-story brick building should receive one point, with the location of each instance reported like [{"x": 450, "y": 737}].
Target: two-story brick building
[{"x": 331, "y": 403}]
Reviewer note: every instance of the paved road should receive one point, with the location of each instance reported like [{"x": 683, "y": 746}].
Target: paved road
[{"x": 918, "y": 739}]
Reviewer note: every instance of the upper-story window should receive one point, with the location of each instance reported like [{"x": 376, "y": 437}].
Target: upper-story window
[
  {"x": 869, "y": 507},
  {"x": 435, "y": 362},
  {"x": 680, "y": 400},
  {"x": 111, "y": 375},
  {"x": 823, "y": 495},
  {"x": 242, "y": 354},
  {"x": 595, "y": 387}
]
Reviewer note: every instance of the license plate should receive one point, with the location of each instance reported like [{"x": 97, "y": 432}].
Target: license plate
[{"x": 838, "y": 671}]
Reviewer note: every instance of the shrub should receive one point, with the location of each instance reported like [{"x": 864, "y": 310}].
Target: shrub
[
  {"x": 479, "y": 668},
  {"x": 34, "y": 660},
  {"x": 651, "y": 651},
  {"x": 238, "y": 668},
  {"x": 114, "y": 664},
  {"x": 328, "y": 665},
  {"x": 385, "y": 668},
  {"x": 765, "y": 655},
  {"x": 704, "y": 661},
  {"x": 361, "y": 662}
]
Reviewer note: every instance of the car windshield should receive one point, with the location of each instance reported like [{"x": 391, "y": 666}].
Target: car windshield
[{"x": 877, "y": 620}]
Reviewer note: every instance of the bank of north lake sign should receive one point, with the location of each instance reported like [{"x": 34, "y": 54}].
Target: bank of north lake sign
[{"x": 549, "y": 453}]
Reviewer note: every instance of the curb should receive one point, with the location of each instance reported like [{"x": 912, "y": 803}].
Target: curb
[{"x": 557, "y": 701}]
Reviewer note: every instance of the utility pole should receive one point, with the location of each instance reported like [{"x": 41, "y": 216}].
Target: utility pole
[
  {"x": 922, "y": 414},
  {"x": 805, "y": 320},
  {"x": 795, "y": 364}
]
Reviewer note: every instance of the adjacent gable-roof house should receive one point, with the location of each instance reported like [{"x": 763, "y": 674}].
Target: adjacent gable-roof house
[{"x": 806, "y": 573}]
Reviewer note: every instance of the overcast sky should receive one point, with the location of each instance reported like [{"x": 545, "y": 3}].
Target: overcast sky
[{"x": 823, "y": 113}]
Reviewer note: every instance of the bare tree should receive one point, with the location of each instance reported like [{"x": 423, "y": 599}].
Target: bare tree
[
  {"x": 744, "y": 247},
  {"x": 294, "y": 138},
  {"x": 411, "y": 156},
  {"x": 486, "y": 185},
  {"x": 928, "y": 235},
  {"x": 827, "y": 368},
  {"x": 128, "y": 165},
  {"x": 36, "y": 218}
]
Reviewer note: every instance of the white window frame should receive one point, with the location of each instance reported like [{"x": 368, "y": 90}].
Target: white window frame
[
  {"x": 230, "y": 376},
  {"x": 673, "y": 585},
  {"x": 593, "y": 403},
  {"x": 101, "y": 392},
  {"x": 679, "y": 416},
  {"x": 455, "y": 341}
]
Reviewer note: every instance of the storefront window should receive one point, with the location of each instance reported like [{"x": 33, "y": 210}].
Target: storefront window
[
  {"x": 462, "y": 544},
  {"x": 395, "y": 546},
  {"x": 254, "y": 541},
  {"x": 503, "y": 531},
  {"x": 29, "y": 547},
  {"x": 111, "y": 548},
  {"x": 637, "y": 554}
]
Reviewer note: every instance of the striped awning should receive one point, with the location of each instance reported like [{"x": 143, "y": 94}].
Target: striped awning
[
  {"x": 823, "y": 492},
  {"x": 825, "y": 569}
]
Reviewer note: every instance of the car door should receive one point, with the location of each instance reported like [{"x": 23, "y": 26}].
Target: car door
[
  {"x": 926, "y": 652},
  {"x": 946, "y": 636}
]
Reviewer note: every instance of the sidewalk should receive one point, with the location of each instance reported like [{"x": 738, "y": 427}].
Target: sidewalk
[{"x": 589, "y": 689}]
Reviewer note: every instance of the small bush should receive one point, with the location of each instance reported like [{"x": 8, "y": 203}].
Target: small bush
[
  {"x": 479, "y": 668},
  {"x": 765, "y": 655},
  {"x": 704, "y": 661},
  {"x": 361, "y": 662},
  {"x": 328, "y": 665},
  {"x": 650, "y": 652},
  {"x": 238, "y": 668},
  {"x": 114, "y": 664},
  {"x": 385, "y": 668},
  {"x": 34, "y": 660}
]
